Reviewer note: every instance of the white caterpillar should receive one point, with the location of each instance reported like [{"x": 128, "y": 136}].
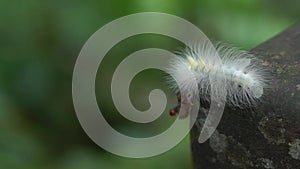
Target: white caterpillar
[{"x": 244, "y": 80}]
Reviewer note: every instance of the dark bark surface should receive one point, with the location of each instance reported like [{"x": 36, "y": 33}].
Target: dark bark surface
[{"x": 268, "y": 136}]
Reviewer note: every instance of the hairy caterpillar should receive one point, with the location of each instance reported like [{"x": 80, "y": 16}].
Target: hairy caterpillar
[{"x": 244, "y": 80}]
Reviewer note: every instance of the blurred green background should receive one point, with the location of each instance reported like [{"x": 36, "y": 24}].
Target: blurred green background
[{"x": 40, "y": 41}]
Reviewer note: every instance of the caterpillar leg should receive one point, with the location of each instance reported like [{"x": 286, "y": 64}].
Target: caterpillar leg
[{"x": 185, "y": 103}]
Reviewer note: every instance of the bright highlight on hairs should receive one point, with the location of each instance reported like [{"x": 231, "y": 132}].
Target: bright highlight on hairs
[{"x": 244, "y": 80}]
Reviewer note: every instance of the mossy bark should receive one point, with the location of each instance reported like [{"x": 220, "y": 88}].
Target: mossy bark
[{"x": 267, "y": 136}]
